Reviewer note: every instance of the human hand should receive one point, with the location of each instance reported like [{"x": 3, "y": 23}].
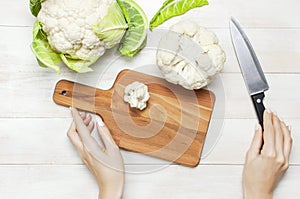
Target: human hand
[
  {"x": 264, "y": 168},
  {"x": 105, "y": 163}
]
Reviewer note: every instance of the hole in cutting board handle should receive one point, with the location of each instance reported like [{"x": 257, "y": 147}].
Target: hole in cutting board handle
[{"x": 64, "y": 93}]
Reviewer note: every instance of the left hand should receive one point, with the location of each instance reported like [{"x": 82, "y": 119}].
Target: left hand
[{"x": 105, "y": 163}]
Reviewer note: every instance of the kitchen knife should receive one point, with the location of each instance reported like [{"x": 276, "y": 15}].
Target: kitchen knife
[{"x": 251, "y": 69}]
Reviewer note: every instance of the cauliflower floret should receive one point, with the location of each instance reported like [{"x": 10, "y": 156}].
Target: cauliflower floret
[
  {"x": 68, "y": 25},
  {"x": 179, "y": 63},
  {"x": 137, "y": 95}
]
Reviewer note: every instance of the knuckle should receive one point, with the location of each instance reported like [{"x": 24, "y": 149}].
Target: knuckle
[
  {"x": 69, "y": 134},
  {"x": 280, "y": 160},
  {"x": 86, "y": 157},
  {"x": 285, "y": 167},
  {"x": 85, "y": 161},
  {"x": 271, "y": 154}
]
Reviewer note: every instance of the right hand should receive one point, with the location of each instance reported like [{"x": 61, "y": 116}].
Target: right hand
[
  {"x": 264, "y": 168},
  {"x": 106, "y": 162}
]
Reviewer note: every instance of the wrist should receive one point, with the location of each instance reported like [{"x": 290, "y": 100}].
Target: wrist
[
  {"x": 110, "y": 194},
  {"x": 112, "y": 190},
  {"x": 258, "y": 196}
]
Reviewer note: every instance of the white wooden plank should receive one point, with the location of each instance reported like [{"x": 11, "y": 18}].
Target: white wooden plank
[
  {"x": 48, "y": 182},
  {"x": 277, "y": 50},
  {"x": 252, "y": 13},
  {"x": 30, "y": 94},
  {"x": 282, "y": 97},
  {"x": 236, "y": 136},
  {"x": 44, "y": 141},
  {"x": 15, "y": 13}
]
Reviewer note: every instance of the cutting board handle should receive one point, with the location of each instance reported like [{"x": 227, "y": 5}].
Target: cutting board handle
[{"x": 83, "y": 97}]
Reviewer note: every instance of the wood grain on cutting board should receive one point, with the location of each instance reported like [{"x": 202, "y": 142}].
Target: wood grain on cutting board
[{"x": 172, "y": 127}]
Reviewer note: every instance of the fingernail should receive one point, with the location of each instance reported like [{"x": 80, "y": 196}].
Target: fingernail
[
  {"x": 268, "y": 110},
  {"x": 100, "y": 121},
  {"x": 290, "y": 128}
]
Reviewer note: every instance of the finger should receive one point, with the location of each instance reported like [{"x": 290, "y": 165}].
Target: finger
[
  {"x": 80, "y": 126},
  {"x": 268, "y": 135},
  {"x": 71, "y": 128},
  {"x": 87, "y": 119},
  {"x": 90, "y": 126},
  {"x": 83, "y": 115},
  {"x": 105, "y": 135},
  {"x": 288, "y": 141},
  {"x": 278, "y": 136},
  {"x": 255, "y": 146},
  {"x": 105, "y": 131},
  {"x": 77, "y": 143},
  {"x": 83, "y": 131},
  {"x": 74, "y": 138}
]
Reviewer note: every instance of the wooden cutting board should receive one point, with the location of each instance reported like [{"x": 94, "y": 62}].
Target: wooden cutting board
[{"x": 172, "y": 127}]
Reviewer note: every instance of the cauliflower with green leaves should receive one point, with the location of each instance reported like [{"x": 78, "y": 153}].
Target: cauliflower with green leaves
[
  {"x": 74, "y": 31},
  {"x": 69, "y": 28}
]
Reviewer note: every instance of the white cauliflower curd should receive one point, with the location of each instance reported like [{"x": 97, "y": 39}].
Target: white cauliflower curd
[
  {"x": 137, "y": 95},
  {"x": 179, "y": 69},
  {"x": 68, "y": 25}
]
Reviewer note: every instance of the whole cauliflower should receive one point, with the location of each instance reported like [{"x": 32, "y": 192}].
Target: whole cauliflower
[
  {"x": 175, "y": 60},
  {"x": 68, "y": 25},
  {"x": 76, "y": 32}
]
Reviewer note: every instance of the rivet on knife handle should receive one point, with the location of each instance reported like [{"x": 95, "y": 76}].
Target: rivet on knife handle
[{"x": 258, "y": 103}]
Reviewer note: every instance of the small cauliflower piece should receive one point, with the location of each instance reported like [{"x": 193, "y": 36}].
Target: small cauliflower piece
[
  {"x": 137, "y": 95},
  {"x": 175, "y": 61}
]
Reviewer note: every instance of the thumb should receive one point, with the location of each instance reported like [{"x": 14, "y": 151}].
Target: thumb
[{"x": 255, "y": 146}]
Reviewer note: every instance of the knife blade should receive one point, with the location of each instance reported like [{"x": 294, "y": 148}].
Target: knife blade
[{"x": 252, "y": 72}]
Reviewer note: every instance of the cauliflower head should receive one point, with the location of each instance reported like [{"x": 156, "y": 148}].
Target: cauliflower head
[
  {"x": 68, "y": 25},
  {"x": 177, "y": 63},
  {"x": 75, "y": 32}
]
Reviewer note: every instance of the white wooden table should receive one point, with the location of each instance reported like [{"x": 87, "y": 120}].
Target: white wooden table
[{"x": 38, "y": 161}]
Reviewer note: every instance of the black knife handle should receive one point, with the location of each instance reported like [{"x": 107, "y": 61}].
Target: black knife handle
[{"x": 258, "y": 103}]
